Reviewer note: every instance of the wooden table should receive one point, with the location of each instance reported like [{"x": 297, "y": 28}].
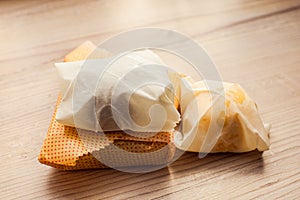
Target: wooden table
[{"x": 254, "y": 43}]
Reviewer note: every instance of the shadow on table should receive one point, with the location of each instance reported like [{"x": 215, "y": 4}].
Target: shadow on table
[{"x": 111, "y": 183}]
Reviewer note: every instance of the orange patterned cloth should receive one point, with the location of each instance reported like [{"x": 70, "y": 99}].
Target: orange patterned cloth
[{"x": 63, "y": 147}]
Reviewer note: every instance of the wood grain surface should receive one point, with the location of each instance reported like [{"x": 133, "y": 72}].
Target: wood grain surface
[{"x": 254, "y": 43}]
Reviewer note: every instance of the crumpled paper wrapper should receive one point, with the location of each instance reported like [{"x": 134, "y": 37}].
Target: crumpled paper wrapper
[
  {"x": 64, "y": 149},
  {"x": 242, "y": 131}
]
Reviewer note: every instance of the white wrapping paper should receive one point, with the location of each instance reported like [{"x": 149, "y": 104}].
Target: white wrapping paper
[{"x": 135, "y": 92}]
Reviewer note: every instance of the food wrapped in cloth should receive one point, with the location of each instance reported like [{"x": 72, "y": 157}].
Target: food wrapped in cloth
[{"x": 242, "y": 128}]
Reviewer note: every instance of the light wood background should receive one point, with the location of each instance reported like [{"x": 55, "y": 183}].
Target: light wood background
[{"x": 254, "y": 43}]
